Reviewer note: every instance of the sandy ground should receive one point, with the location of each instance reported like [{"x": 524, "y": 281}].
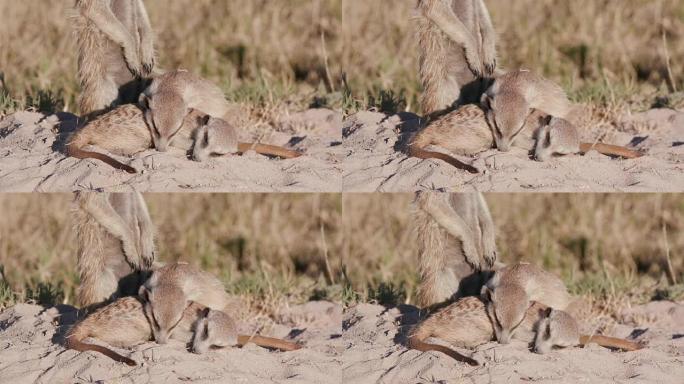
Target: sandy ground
[
  {"x": 32, "y": 159},
  {"x": 30, "y": 352},
  {"x": 374, "y": 354},
  {"x": 374, "y": 161}
]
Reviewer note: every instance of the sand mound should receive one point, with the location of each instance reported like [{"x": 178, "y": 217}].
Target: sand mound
[
  {"x": 32, "y": 159},
  {"x": 30, "y": 338},
  {"x": 374, "y": 355},
  {"x": 375, "y": 163}
]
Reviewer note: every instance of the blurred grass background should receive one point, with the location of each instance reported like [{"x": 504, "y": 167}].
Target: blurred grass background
[
  {"x": 279, "y": 249},
  {"x": 272, "y": 249},
  {"x": 269, "y": 54},
  {"x": 609, "y": 52},
  {"x": 610, "y": 246},
  {"x": 279, "y": 55}
]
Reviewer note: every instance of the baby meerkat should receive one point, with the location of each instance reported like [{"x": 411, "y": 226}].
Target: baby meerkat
[
  {"x": 557, "y": 137},
  {"x": 465, "y": 324},
  {"x": 466, "y": 132},
  {"x": 512, "y": 97},
  {"x": 511, "y": 290},
  {"x": 123, "y": 131},
  {"x": 115, "y": 52},
  {"x": 123, "y": 324},
  {"x": 168, "y": 100}
]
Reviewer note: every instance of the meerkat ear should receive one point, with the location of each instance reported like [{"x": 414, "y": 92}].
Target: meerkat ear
[
  {"x": 486, "y": 101},
  {"x": 143, "y": 292},
  {"x": 486, "y": 293},
  {"x": 205, "y": 312},
  {"x": 547, "y": 312},
  {"x": 144, "y": 101}
]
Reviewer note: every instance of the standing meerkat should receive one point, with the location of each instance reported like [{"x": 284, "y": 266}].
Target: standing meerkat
[
  {"x": 457, "y": 45},
  {"x": 171, "y": 96},
  {"x": 511, "y": 290},
  {"x": 170, "y": 290},
  {"x": 115, "y": 51},
  {"x": 115, "y": 245},
  {"x": 123, "y": 324},
  {"x": 466, "y": 132},
  {"x": 456, "y": 238},
  {"x": 123, "y": 131},
  {"x": 465, "y": 324}
]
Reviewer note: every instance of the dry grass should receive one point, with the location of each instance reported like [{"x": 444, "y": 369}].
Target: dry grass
[
  {"x": 603, "y": 245},
  {"x": 268, "y": 54},
  {"x": 608, "y": 51},
  {"x": 270, "y": 248}
]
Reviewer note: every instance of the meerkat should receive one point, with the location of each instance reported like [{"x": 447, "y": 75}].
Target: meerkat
[
  {"x": 511, "y": 290},
  {"x": 115, "y": 52},
  {"x": 457, "y": 243},
  {"x": 465, "y": 324},
  {"x": 512, "y": 97},
  {"x": 123, "y": 131},
  {"x": 467, "y": 132},
  {"x": 457, "y": 45},
  {"x": 171, "y": 288},
  {"x": 123, "y": 324},
  {"x": 116, "y": 248},
  {"x": 171, "y": 96}
]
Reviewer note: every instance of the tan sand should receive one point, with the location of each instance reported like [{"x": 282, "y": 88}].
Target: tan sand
[
  {"x": 31, "y": 353},
  {"x": 32, "y": 159},
  {"x": 374, "y": 161},
  {"x": 375, "y": 355}
]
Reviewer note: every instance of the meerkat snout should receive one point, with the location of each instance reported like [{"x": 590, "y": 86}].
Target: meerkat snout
[
  {"x": 162, "y": 309},
  {"x": 506, "y": 115},
  {"x": 506, "y": 307},
  {"x": 166, "y": 110}
]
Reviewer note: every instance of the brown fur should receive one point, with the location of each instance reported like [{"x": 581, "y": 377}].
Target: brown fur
[
  {"x": 123, "y": 324},
  {"x": 113, "y": 61},
  {"x": 115, "y": 238},
  {"x": 123, "y": 131},
  {"x": 466, "y": 132},
  {"x": 465, "y": 324},
  {"x": 457, "y": 47},
  {"x": 451, "y": 262}
]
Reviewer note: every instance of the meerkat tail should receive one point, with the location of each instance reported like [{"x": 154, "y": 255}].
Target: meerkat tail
[
  {"x": 416, "y": 151},
  {"x": 73, "y": 342},
  {"x": 417, "y": 343},
  {"x": 268, "y": 342},
  {"x": 74, "y": 150},
  {"x": 610, "y": 342},
  {"x": 271, "y": 150},
  {"x": 610, "y": 150}
]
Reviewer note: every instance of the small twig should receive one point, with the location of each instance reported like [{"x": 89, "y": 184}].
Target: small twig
[
  {"x": 327, "y": 65},
  {"x": 668, "y": 64},
  {"x": 325, "y": 255},
  {"x": 670, "y": 269}
]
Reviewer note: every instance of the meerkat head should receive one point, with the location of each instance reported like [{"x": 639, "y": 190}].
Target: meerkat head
[
  {"x": 164, "y": 307},
  {"x": 506, "y": 307},
  {"x": 164, "y": 115},
  {"x": 555, "y": 329},
  {"x": 506, "y": 113},
  {"x": 214, "y": 136},
  {"x": 214, "y": 329}
]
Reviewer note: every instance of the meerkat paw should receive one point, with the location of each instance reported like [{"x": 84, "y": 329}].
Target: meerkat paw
[
  {"x": 472, "y": 256},
  {"x": 490, "y": 257},
  {"x": 474, "y": 62},
  {"x": 148, "y": 61},
  {"x": 133, "y": 61},
  {"x": 149, "y": 254}
]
